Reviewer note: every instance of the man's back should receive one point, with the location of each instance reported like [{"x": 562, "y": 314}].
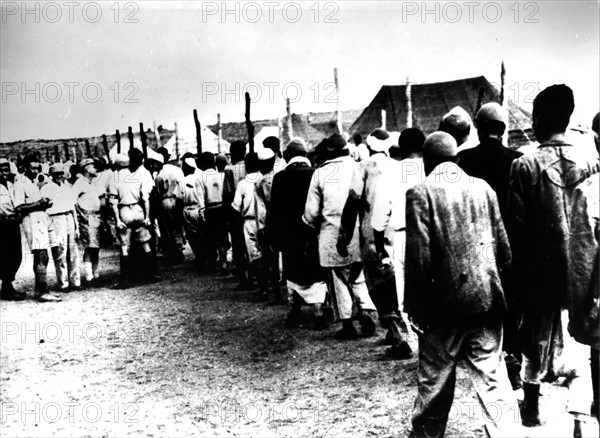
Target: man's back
[
  {"x": 538, "y": 218},
  {"x": 457, "y": 247},
  {"x": 491, "y": 162}
]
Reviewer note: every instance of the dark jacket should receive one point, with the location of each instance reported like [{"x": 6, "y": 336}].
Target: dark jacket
[
  {"x": 491, "y": 162},
  {"x": 287, "y": 232}
]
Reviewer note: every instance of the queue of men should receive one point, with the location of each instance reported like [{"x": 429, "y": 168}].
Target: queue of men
[{"x": 488, "y": 255}]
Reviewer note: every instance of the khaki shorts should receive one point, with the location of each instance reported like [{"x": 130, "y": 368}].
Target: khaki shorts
[
  {"x": 39, "y": 232},
  {"x": 133, "y": 217}
]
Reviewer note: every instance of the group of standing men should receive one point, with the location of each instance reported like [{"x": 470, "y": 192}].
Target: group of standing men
[{"x": 484, "y": 249}]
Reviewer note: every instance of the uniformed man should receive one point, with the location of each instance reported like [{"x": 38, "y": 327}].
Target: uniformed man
[
  {"x": 167, "y": 186},
  {"x": 130, "y": 200},
  {"x": 37, "y": 225},
  {"x": 88, "y": 192},
  {"x": 62, "y": 213},
  {"x": 10, "y": 236}
]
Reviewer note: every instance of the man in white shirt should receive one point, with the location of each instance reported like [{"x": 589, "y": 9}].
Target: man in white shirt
[
  {"x": 89, "y": 192},
  {"x": 62, "y": 213},
  {"x": 37, "y": 225}
]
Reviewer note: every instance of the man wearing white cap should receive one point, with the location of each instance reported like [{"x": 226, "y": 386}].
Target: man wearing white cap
[
  {"x": 167, "y": 186},
  {"x": 62, "y": 213},
  {"x": 37, "y": 225},
  {"x": 191, "y": 197},
  {"x": 10, "y": 236},
  {"x": 243, "y": 204},
  {"x": 269, "y": 261},
  {"x": 129, "y": 198},
  {"x": 367, "y": 181},
  {"x": 457, "y": 255},
  {"x": 88, "y": 196}
]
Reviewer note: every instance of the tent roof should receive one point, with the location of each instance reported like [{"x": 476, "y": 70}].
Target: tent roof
[
  {"x": 431, "y": 101},
  {"x": 186, "y": 139}
]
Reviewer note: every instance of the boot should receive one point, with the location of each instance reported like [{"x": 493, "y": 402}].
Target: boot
[
  {"x": 530, "y": 408},
  {"x": 152, "y": 276},
  {"x": 43, "y": 295},
  {"x": 294, "y": 316},
  {"x": 367, "y": 325},
  {"x": 123, "y": 273},
  {"x": 400, "y": 348},
  {"x": 348, "y": 331},
  {"x": 10, "y": 294}
]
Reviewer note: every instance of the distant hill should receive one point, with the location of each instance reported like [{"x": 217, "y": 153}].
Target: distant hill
[{"x": 76, "y": 146}]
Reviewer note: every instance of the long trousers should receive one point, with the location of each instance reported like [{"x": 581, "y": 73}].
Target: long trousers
[
  {"x": 477, "y": 341},
  {"x": 10, "y": 249}
]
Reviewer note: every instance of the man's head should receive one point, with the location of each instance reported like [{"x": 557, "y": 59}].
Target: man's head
[
  {"x": 4, "y": 170},
  {"x": 295, "y": 148},
  {"x": 411, "y": 143},
  {"x": 251, "y": 162},
  {"x": 273, "y": 144},
  {"x": 206, "y": 161},
  {"x": 595, "y": 129},
  {"x": 266, "y": 160},
  {"x": 188, "y": 164},
  {"x": 221, "y": 162},
  {"x": 438, "y": 148},
  {"x": 57, "y": 173},
  {"x": 491, "y": 121},
  {"x": 32, "y": 165},
  {"x": 87, "y": 166},
  {"x": 357, "y": 139},
  {"x": 136, "y": 158},
  {"x": 165, "y": 153},
  {"x": 121, "y": 161},
  {"x": 237, "y": 151},
  {"x": 379, "y": 141},
  {"x": 457, "y": 123},
  {"x": 154, "y": 161},
  {"x": 552, "y": 109}
]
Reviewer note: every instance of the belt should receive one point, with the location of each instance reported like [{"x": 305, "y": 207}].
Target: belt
[
  {"x": 60, "y": 214},
  {"x": 128, "y": 205},
  {"x": 213, "y": 204}
]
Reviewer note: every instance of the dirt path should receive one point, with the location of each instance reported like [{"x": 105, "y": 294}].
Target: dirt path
[{"x": 191, "y": 356}]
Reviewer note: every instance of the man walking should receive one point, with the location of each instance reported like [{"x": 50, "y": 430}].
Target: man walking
[
  {"x": 457, "y": 254},
  {"x": 305, "y": 277},
  {"x": 326, "y": 198},
  {"x": 539, "y": 226},
  {"x": 129, "y": 198}
]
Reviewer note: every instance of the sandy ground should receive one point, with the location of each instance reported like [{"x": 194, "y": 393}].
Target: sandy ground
[{"x": 190, "y": 356}]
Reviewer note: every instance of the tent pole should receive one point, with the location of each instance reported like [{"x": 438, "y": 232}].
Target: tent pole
[{"x": 409, "y": 113}]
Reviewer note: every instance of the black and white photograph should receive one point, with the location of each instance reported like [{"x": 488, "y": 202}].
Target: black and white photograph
[{"x": 300, "y": 219}]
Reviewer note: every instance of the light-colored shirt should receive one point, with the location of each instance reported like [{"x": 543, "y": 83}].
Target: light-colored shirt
[
  {"x": 61, "y": 196},
  {"x": 389, "y": 209},
  {"x": 87, "y": 194},
  {"x": 7, "y": 206},
  {"x": 144, "y": 176},
  {"x": 167, "y": 181},
  {"x": 325, "y": 202},
  {"x": 191, "y": 190},
  {"x": 234, "y": 173},
  {"x": 126, "y": 188},
  {"x": 213, "y": 188},
  {"x": 243, "y": 201},
  {"x": 26, "y": 191}
]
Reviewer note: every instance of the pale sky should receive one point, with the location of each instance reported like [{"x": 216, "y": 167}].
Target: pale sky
[{"x": 177, "y": 56}]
